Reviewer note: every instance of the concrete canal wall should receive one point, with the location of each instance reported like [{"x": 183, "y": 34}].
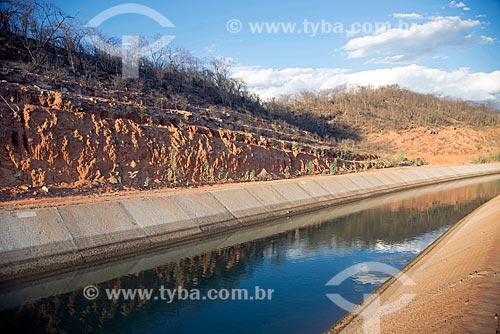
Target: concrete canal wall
[
  {"x": 454, "y": 285},
  {"x": 55, "y": 237}
]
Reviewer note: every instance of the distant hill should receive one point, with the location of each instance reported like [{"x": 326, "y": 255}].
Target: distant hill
[{"x": 353, "y": 113}]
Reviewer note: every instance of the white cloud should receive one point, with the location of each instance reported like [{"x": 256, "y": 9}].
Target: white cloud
[
  {"x": 417, "y": 41},
  {"x": 409, "y": 16},
  {"x": 462, "y": 83},
  {"x": 270, "y": 82},
  {"x": 397, "y": 59},
  {"x": 486, "y": 39},
  {"x": 457, "y": 5},
  {"x": 454, "y": 4}
]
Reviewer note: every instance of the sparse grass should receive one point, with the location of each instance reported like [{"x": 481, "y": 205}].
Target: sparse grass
[
  {"x": 343, "y": 153},
  {"x": 379, "y": 163},
  {"x": 309, "y": 167},
  {"x": 333, "y": 167},
  {"x": 391, "y": 161},
  {"x": 248, "y": 176},
  {"x": 222, "y": 175},
  {"x": 418, "y": 162},
  {"x": 296, "y": 147},
  {"x": 400, "y": 158},
  {"x": 173, "y": 171},
  {"x": 481, "y": 159},
  {"x": 286, "y": 174},
  {"x": 181, "y": 125},
  {"x": 208, "y": 173}
]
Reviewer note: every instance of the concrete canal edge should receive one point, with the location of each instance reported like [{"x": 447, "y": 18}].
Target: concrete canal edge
[
  {"x": 444, "y": 277},
  {"x": 55, "y": 238}
]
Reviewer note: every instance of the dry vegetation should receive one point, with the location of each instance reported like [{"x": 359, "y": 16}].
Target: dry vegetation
[
  {"x": 51, "y": 42},
  {"x": 71, "y": 123},
  {"x": 370, "y": 110},
  {"x": 392, "y": 120}
]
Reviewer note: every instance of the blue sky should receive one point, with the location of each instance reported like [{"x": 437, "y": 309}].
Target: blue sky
[{"x": 452, "y": 46}]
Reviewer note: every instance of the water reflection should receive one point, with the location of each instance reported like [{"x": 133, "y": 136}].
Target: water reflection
[{"x": 296, "y": 263}]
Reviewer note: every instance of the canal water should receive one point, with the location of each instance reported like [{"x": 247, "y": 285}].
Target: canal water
[{"x": 294, "y": 257}]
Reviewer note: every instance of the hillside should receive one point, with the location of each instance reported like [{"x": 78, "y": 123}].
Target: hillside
[
  {"x": 65, "y": 132},
  {"x": 71, "y": 124},
  {"x": 395, "y": 121}
]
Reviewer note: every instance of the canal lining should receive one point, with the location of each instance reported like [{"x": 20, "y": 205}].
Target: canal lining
[{"x": 79, "y": 242}]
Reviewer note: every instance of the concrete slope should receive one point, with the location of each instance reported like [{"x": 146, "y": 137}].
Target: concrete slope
[
  {"x": 456, "y": 285},
  {"x": 62, "y": 237}
]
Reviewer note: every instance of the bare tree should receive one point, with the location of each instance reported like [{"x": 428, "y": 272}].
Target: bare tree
[
  {"x": 42, "y": 26},
  {"x": 9, "y": 14}
]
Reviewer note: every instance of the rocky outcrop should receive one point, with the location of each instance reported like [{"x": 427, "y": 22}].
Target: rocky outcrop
[{"x": 65, "y": 141}]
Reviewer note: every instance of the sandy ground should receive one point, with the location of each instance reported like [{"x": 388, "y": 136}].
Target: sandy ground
[
  {"x": 457, "y": 284},
  {"x": 444, "y": 146}
]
